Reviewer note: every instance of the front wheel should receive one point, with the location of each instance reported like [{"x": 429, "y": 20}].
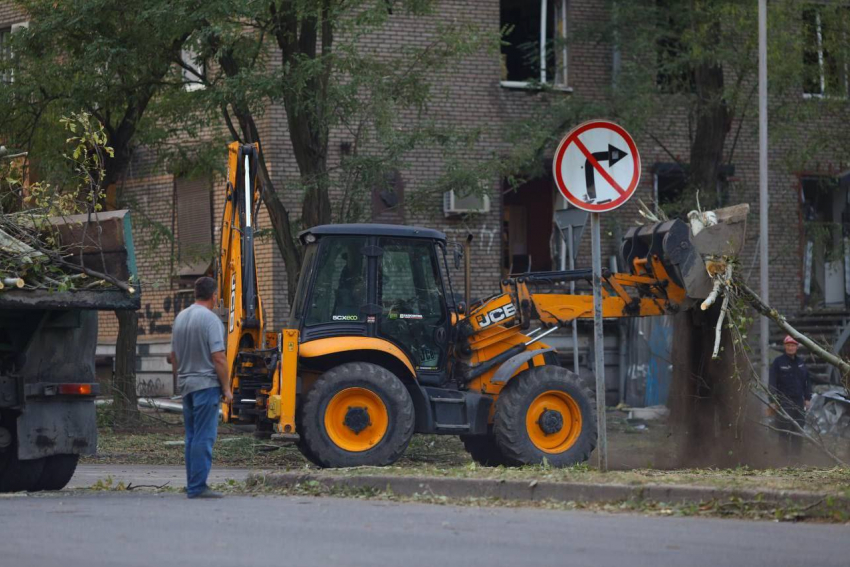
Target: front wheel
[
  {"x": 545, "y": 414},
  {"x": 356, "y": 414}
]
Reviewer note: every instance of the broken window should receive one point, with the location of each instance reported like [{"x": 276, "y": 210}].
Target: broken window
[
  {"x": 388, "y": 199},
  {"x": 671, "y": 194},
  {"x": 824, "y": 35},
  {"x": 535, "y": 47},
  {"x": 669, "y": 183},
  {"x": 674, "y": 71}
]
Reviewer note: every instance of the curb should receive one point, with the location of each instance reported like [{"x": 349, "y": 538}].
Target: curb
[{"x": 535, "y": 491}]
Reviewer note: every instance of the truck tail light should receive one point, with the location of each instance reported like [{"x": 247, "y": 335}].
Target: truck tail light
[{"x": 75, "y": 389}]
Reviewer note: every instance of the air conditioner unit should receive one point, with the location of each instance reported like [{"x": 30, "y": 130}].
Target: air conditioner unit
[{"x": 454, "y": 205}]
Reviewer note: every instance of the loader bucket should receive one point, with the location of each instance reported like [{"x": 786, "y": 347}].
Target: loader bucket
[
  {"x": 726, "y": 238},
  {"x": 718, "y": 233}
]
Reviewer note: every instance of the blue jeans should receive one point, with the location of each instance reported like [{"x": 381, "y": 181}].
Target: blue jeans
[{"x": 200, "y": 417}]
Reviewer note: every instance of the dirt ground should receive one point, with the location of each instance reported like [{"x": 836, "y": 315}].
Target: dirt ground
[{"x": 632, "y": 444}]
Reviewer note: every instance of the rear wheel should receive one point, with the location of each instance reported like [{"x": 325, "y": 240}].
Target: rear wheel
[
  {"x": 356, "y": 414},
  {"x": 485, "y": 451},
  {"x": 17, "y": 475},
  {"x": 58, "y": 470},
  {"x": 544, "y": 413}
]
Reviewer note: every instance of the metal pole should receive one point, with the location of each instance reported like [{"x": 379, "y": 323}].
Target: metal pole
[
  {"x": 598, "y": 341},
  {"x": 543, "y": 14},
  {"x": 763, "y": 204},
  {"x": 467, "y": 270},
  {"x": 573, "y": 292}
]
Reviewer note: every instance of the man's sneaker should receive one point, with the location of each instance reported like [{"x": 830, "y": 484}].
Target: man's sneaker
[{"x": 207, "y": 493}]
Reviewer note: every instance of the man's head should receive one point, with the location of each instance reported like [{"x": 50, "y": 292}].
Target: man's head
[
  {"x": 205, "y": 289},
  {"x": 791, "y": 345}
]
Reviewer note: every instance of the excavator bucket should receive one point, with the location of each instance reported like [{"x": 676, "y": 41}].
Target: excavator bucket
[{"x": 683, "y": 247}]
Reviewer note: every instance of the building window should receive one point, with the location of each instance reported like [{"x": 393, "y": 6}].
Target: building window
[
  {"x": 6, "y": 75},
  {"x": 194, "y": 226},
  {"x": 192, "y": 70},
  {"x": 388, "y": 199},
  {"x": 825, "y": 72},
  {"x": 535, "y": 42},
  {"x": 669, "y": 181},
  {"x": 671, "y": 194},
  {"x": 674, "y": 73}
]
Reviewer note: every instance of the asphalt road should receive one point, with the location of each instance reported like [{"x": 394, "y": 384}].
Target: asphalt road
[{"x": 129, "y": 529}]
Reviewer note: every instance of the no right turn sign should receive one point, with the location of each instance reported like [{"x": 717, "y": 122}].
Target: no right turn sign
[{"x": 597, "y": 166}]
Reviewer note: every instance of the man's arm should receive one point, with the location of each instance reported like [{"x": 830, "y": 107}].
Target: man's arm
[
  {"x": 220, "y": 363},
  {"x": 172, "y": 360}
]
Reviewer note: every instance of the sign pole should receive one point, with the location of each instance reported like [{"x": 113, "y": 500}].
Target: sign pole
[
  {"x": 599, "y": 342},
  {"x": 597, "y": 169},
  {"x": 572, "y": 292}
]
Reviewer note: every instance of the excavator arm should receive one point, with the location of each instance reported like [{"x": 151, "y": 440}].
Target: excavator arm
[
  {"x": 239, "y": 301},
  {"x": 667, "y": 264}
]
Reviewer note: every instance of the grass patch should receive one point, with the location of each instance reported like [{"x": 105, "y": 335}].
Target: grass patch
[{"x": 158, "y": 441}]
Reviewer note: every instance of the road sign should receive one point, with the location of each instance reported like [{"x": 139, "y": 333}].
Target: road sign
[{"x": 597, "y": 166}]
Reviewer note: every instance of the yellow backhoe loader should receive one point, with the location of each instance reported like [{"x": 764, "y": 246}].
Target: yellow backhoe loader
[{"x": 374, "y": 350}]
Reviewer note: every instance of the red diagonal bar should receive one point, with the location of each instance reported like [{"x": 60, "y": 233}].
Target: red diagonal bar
[{"x": 598, "y": 167}]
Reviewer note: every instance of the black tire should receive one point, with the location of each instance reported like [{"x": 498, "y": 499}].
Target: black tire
[
  {"x": 58, "y": 470},
  {"x": 514, "y": 402},
  {"x": 301, "y": 444},
  {"x": 485, "y": 451},
  {"x": 17, "y": 476},
  {"x": 380, "y": 382}
]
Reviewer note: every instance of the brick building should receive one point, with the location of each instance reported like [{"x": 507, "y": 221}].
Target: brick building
[{"x": 515, "y": 232}]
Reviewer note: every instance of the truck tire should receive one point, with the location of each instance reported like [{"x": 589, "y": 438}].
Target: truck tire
[
  {"x": 301, "y": 444},
  {"x": 357, "y": 414},
  {"x": 17, "y": 476},
  {"x": 545, "y": 414},
  {"x": 485, "y": 451},
  {"x": 58, "y": 470}
]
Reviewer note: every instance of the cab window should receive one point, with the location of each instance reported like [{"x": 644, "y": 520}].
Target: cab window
[{"x": 339, "y": 291}]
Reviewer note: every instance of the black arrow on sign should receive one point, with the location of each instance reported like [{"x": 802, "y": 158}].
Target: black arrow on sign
[{"x": 612, "y": 156}]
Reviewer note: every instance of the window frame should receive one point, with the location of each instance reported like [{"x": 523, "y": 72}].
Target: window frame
[
  {"x": 560, "y": 32},
  {"x": 822, "y": 64},
  {"x": 191, "y": 73},
  {"x": 8, "y": 77}
]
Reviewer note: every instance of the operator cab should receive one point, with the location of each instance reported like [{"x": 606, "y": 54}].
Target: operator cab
[{"x": 382, "y": 281}]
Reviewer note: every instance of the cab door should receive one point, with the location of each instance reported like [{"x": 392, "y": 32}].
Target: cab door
[{"x": 412, "y": 301}]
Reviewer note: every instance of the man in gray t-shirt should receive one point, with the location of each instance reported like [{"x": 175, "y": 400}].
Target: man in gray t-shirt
[{"x": 200, "y": 364}]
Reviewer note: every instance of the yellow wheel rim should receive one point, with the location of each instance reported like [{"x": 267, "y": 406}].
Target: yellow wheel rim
[
  {"x": 356, "y": 419},
  {"x": 553, "y": 421}
]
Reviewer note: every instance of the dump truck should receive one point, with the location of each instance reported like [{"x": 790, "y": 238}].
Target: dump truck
[
  {"x": 47, "y": 356},
  {"x": 375, "y": 351}
]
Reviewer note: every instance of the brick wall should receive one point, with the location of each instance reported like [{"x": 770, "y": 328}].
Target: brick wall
[{"x": 470, "y": 94}]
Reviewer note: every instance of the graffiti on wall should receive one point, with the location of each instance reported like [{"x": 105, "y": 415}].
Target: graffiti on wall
[
  {"x": 150, "y": 318},
  {"x": 149, "y": 387}
]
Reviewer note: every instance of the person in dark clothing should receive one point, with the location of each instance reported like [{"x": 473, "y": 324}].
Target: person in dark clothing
[{"x": 791, "y": 390}]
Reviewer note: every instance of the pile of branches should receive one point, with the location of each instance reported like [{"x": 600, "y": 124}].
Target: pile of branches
[
  {"x": 32, "y": 256},
  {"x": 35, "y": 253}
]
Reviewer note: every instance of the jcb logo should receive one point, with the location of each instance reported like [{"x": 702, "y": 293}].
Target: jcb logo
[{"x": 496, "y": 315}]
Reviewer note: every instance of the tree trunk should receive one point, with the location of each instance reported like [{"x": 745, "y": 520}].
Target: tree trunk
[
  {"x": 713, "y": 120},
  {"x": 124, "y": 396}
]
